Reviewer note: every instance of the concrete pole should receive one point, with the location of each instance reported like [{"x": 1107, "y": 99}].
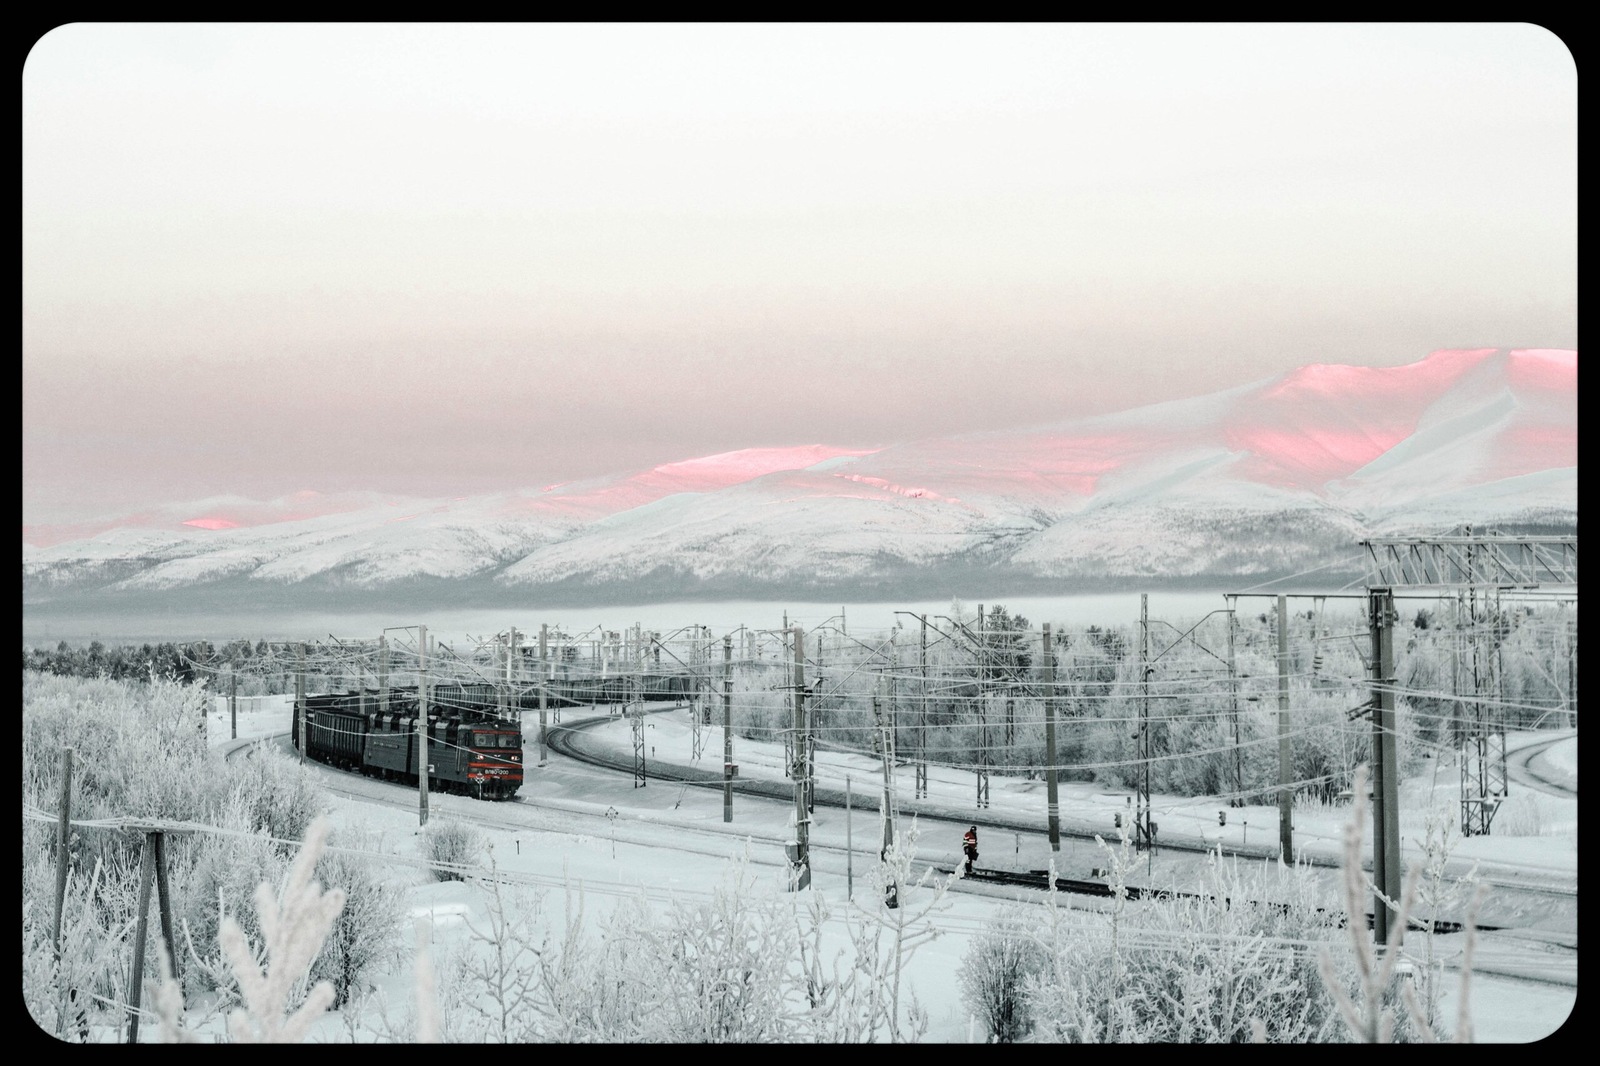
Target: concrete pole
[
  {"x": 1233, "y": 689},
  {"x": 922, "y": 747},
  {"x": 1053, "y": 804},
  {"x": 1141, "y": 821},
  {"x": 422, "y": 725},
  {"x": 300, "y": 702},
  {"x": 727, "y": 728},
  {"x": 800, "y": 876},
  {"x": 849, "y": 844},
  {"x": 886, "y": 805},
  {"x": 544, "y": 685},
  {"x": 383, "y": 674},
  {"x": 1385, "y": 766},
  {"x": 1285, "y": 749}
]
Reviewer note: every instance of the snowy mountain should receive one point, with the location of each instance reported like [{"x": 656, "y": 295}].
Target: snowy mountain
[{"x": 1260, "y": 481}]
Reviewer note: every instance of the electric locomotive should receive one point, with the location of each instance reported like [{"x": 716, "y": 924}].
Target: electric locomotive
[
  {"x": 474, "y": 729},
  {"x": 472, "y": 749}
]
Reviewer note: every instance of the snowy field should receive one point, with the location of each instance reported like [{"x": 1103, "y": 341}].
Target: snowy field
[{"x": 577, "y": 827}]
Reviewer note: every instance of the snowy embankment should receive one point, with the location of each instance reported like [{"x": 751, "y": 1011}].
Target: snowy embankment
[{"x": 577, "y": 828}]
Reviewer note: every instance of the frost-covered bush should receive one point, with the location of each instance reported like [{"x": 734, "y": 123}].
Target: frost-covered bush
[
  {"x": 451, "y": 847},
  {"x": 721, "y": 966},
  {"x": 1188, "y": 970},
  {"x": 270, "y": 973},
  {"x": 281, "y": 794},
  {"x": 367, "y": 931},
  {"x": 70, "y": 997},
  {"x": 995, "y": 969},
  {"x": 222, "y": 871},
  {"x": 139, "y": 751}
]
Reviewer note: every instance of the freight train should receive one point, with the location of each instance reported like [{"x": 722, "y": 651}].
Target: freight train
[{"x": 474, "y": 730}]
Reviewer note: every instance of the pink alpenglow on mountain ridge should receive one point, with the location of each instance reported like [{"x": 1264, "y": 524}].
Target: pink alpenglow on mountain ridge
[
  {"x": 1323, "y": 422},
  {"x": 1367, "y": 438},
  {"x": 597, "y": 497}
]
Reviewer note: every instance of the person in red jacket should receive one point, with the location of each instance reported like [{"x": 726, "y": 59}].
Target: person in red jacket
[{"x": 969, "y": 844}]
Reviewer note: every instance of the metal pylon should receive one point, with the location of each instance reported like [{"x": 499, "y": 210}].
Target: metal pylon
[{"x": 1484, "y": 781}]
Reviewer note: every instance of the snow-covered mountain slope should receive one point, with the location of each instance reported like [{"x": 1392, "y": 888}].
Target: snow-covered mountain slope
[{"x": 1257, "y": 481}]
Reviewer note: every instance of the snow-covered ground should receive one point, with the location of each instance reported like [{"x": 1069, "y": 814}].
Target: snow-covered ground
[{"x": 576, "y": 825}]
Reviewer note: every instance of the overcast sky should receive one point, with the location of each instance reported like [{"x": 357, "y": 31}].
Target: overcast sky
[{"x": 450, "y": 259}]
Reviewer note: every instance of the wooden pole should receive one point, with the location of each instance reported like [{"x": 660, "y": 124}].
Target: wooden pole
[
  {"x": 63, "y": 837},
  {"x": 164, "y": 903},
  {"x": 147, "y": 875}
]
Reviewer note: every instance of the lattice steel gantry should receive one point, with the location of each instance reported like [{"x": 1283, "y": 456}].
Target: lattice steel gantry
[{"x": 1476, "y": 568}]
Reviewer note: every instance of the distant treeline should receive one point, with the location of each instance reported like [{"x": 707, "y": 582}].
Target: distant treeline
[{"x": 167, "y": 660}]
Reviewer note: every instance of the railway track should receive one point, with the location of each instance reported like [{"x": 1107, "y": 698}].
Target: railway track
[
  {"x": 1521, "y": 767},
  {"x": 1040, "y": 880},
  {"x": 568, "y": 739},
  {"x": 1520, "y": 954}
]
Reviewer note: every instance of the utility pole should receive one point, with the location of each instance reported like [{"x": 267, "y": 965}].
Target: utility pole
[
  {"x": 1572, "y": 673},
  {"x": 1141, "y": 819},
  {"x": 300, "y": 701},
  {"x": 922, "y": 748},
  {"x": 544, "y": 685},
  {"x": 383, "y": 674},
  {"x": 233, "y": 705},
  {"x": 727, "y": 728},
  {"x": 1385, "y": 764},
  {"x": 423, "y": 766},
  {"x": 1053, "y": 807},
  {"x": 636, "y": 704},
  {"x": 894, "y": 685},
  {"x": 1011, "y": 729},
  {"x": 849, "y": 845},
  {"x": 698, "y": 705},
  {"x": 502, "y": 687},
  {"x": 1233, "y": 689},
  {"x": 800, "y": 860},
  {"x": 886, "y": 805},
  {"x": 1285, "y": 750},
  {"x": 983, "y": 715}
]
